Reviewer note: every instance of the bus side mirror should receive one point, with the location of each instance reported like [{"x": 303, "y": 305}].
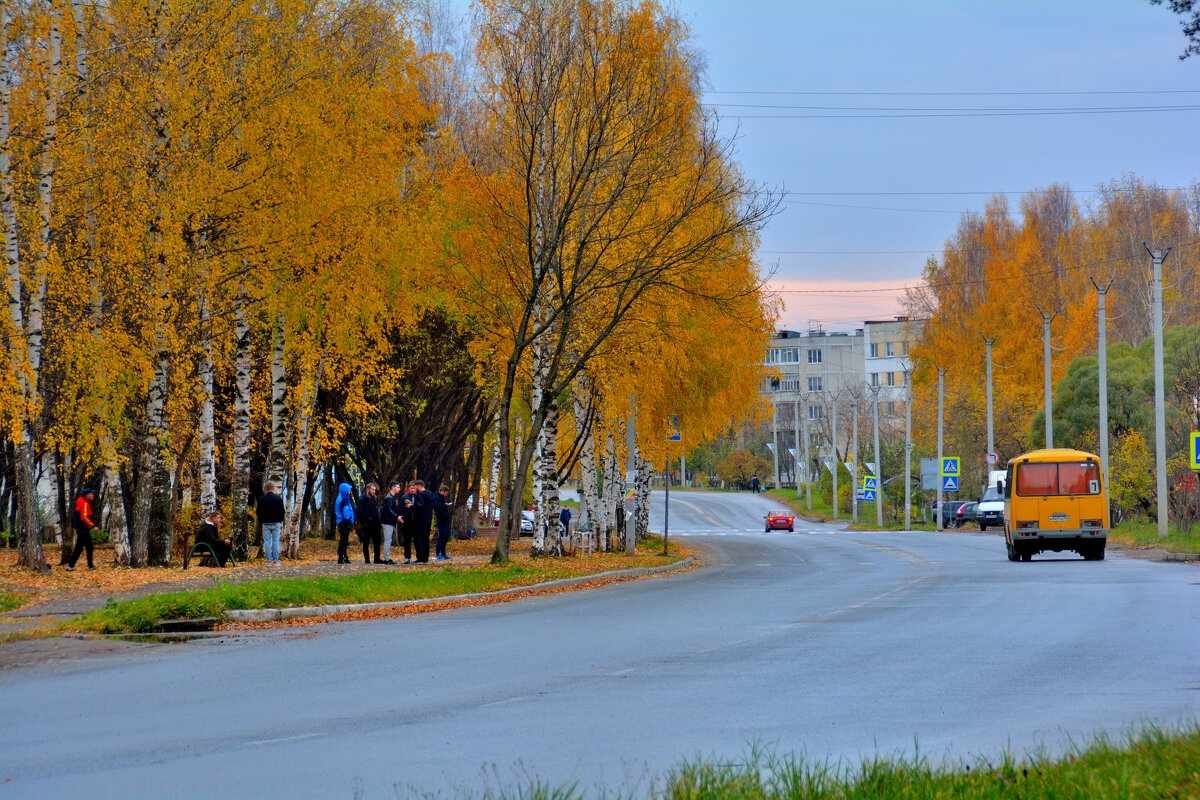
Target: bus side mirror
[{"x": 1000, "y": 485}]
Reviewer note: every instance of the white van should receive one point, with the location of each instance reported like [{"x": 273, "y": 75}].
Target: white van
[{"x": 991, "y": 506}]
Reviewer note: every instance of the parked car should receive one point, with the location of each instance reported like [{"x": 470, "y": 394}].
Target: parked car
[
  {"x": 527, "y": 523},
  {"x": 780, "y": 520},
  {"x": 963, "y": 514}
]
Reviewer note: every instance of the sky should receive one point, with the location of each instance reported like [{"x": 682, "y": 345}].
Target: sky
[{"x": 870, "y": 199}]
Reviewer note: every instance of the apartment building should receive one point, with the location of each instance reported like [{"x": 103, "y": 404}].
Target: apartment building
[{"x": 886, "y": 363}]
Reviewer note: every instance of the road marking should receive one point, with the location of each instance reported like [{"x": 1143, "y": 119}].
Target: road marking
[
  {"x": 285, "y": 739},
  {"x": 505, "y": 702}
]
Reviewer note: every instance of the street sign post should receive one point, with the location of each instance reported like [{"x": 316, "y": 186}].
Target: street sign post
[
  {"x": 870, "y": 483},
  {"x": 949, "y": 483},
  {"x": 993, "y": 459},
  {"x": 868, "y": 495},
  {"x": 950, "y": 466}
]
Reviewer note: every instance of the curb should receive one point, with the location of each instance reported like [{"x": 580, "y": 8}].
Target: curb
[{"x": 302, "y": 612}]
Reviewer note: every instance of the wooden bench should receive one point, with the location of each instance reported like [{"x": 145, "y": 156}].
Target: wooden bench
[{"x": 208, "y": 556}]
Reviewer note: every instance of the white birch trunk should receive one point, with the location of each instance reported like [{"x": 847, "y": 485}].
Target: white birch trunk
[
  {"x": 588, "y": 476},
  {"x": 207, "y": 433},
  {"x": 149, "y": 462},
  {"x": 612, "y": 491},
  {"x": 114, "y": 490},
  {"x": 642, "y": 501},
  {"x": 539, "y": 454},
  {"x": 308, "y": 401},
  {"x": 243, "y": 378},
  {"x": 37, "y": 295},
  {"x": 547, "y": 536},
  {"x": 493, "y": 492},
  {"x": 277, "y": 463}
]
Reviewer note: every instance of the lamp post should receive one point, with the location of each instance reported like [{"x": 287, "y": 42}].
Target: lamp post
[
  {"x": 1160, "y": 425},
  {"x": 907, "y": 450},
  {"x": 833, "y": 422},
  {"x": 878, "y": 464}
]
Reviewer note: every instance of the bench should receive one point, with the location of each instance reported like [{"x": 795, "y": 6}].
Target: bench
[{"x": 208, "y": 556}]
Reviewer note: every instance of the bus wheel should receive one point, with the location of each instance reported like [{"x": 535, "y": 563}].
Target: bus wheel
[
  {"x": 1027, "y": 555},
  {"x": 1012, "y": 552}
]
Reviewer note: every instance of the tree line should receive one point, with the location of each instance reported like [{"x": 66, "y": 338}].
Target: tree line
[{"x": 306, "y": 240}]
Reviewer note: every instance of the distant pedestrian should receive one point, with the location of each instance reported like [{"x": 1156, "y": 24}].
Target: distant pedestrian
[
  {"x": 418, "y": 517},
  {"x": 343, "y": 513},
  {"x": 270, "y": 513},
  {"x": 441, "y": 510},
  {"x": 564, "y": 516},
  {"x": 210, "y": 534},
  {"x": 754, "y": 484},
  {"x": 389, "y": 518},
  {"x": 369, "y": 528},
  {"x": 83, "y": 520}
]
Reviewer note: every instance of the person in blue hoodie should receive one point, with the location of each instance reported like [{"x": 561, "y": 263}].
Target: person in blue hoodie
[{"x": 343, "y": 512}]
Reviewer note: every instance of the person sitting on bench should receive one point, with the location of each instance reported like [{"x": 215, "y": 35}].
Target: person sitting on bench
[{"x": 208, "y": 534}]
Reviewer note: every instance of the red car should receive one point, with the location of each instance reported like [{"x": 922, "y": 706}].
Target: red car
[{"x": 780, "y": 520}]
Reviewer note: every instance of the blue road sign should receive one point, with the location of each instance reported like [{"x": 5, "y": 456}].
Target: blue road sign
[
  {"x": 870, "y": 483},
  {"x": 950, "y": 467},
  {"x": 673, "y": 433},
  {"x": 868, "y": 495},
  {"x": 1195, "y": 450},
  {"x": 949, "y": 483}
]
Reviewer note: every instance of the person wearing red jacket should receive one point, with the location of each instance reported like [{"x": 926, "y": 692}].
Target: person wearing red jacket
[{"x": 84, "y": 523}]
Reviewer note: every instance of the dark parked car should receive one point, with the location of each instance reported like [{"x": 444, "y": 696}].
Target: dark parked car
[
  {"x": 780, "y": 520},
  {"x": 963, "y": 514}
]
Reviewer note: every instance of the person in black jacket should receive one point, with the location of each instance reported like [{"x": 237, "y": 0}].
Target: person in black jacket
[
  {"x": 389, "y": 518},
  {"x": 368, "y": 523},
  {"x": 210, "y": 535},
  {"x": 270, "y": 513},
  {"x": 418, "y": 516},
  {"x": 441, "y": 510}
]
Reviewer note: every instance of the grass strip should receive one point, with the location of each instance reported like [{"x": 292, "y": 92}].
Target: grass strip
[
  {"x": 11, "y": 600},
  {"x": 140, "y": 615},
  {"x": 1153, "y": 764}
]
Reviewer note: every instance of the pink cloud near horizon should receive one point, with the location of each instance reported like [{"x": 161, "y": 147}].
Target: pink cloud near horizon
[{"x": 839, "y": 304}]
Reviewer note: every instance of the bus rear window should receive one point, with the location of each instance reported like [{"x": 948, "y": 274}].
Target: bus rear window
[{"x": 1058, "y": 479}]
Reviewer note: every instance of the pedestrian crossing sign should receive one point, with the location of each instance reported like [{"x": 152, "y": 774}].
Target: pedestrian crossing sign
[
  {"x": 870, "y": 483},
  {"x": 1194, "y": 450},
  {"x": 949, "y": 483},
  {"x": 950, "y": 467}
]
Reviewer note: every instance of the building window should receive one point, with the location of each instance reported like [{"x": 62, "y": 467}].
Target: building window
[
  {"x": 814, "y": 412},
  {"x": 789, "y": 355},
  {"x": 904, "y": 348},
  {"x": 892, "y": 411},
  {"x": 889, "y": 349},
  {"x": 874, "y": 378},
  {"x": 814, "y": 356},
  {"x": 814, "y": 384},
  {"x": 814, "y": 438},
  {"x": 791, "y": 385},
  {"x": 875, "y": 350},
  {"x": 891, "y": 379}
]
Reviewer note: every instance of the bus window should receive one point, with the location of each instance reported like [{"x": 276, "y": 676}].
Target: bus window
[
  {"x": 1037, "y": 479},
  {"x": 1079, "y": 478}
]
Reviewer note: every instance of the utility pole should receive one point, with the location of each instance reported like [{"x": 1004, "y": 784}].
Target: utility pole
[
  {"x": 837, "y": 461},
  {"x": 908, "y": 450},
  {"x": 991, "y": 438},
  {"x": 807, "y": 473},
  {"x": 796, "y": 436},
  {"x": 1047, "y": 317},
  {"x": 1160, "y": 424},
  {"x": 775, "y": 438},
  {"x": 854, "y": 461},
  {"x": 1102, "y": 353},
  {"x": 941, "y": 394},
  {"x": 630, "y": 479},
  {"x": 666, "y": 504},
  {"x": 878, "y": 465}
]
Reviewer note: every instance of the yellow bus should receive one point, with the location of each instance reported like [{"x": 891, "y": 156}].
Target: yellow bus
[{"x": 1055, "y": 500}]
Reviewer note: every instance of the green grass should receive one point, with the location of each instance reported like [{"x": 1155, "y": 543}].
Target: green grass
[
  {"x": 1145, "y": 534},
  {"x": 140, "y": 614},
  {"x": 11, "y": 600},
  {"x": 1151, "y": 765}
]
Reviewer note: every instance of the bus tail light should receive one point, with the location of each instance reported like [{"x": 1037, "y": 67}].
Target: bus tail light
[
  {"x": 1026, "y": 524},
  {"x": 1093, "y": 523}
]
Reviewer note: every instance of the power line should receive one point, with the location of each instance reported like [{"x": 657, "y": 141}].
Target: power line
[
  {"x": 847, "y": 252},
  {"x": 996, "y": 113},
  {"x": 958, "y": 94},
  {"x": 974, "y": 281}
]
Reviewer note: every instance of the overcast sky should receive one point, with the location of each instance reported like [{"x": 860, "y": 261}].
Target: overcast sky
[{"x": 870, "y": 199}]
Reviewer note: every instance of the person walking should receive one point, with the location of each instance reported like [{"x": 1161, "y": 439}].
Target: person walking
[
  {"x": 418, "y": 518},
  {"x": 270, "y": 513},
  {"x": 209, "y": 534},
  {"x": 343, "y": 514},
  {"x": 84, "y": 523},
  {"x": 441, "y": 511},
  {"x": 389, "y": 517},
  {"x": 754, "y": 484},
  {"x": 407, "y": 517},
  {"x": 369, "y": 528}
]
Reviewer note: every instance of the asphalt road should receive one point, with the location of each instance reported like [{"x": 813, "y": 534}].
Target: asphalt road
[{"x": 832, "y": 643}]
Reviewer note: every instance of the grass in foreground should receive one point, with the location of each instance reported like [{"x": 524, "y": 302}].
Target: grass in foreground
[
  {"x": 1151, "y": 765},
  {"x": 11, "y": 600},
  {"x": 140, "y": 615}
]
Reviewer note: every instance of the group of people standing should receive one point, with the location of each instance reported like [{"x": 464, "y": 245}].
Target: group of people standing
[{"x": 404, "y": 516}]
